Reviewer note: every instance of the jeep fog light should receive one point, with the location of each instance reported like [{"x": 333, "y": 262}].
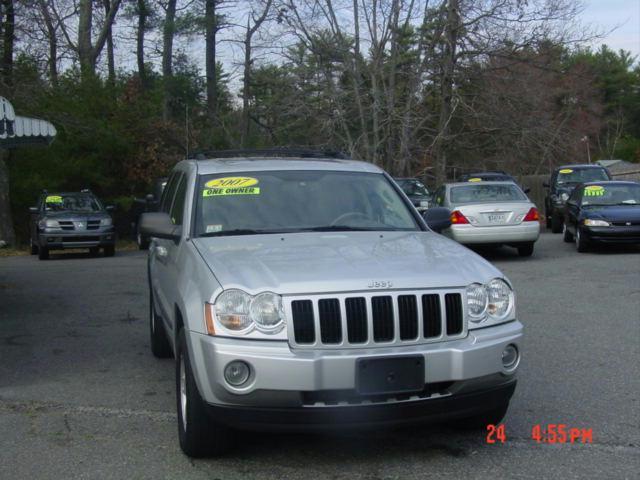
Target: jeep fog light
[
  {"x": 510, "y": 357},
  {"x": 236, "y": 373}
]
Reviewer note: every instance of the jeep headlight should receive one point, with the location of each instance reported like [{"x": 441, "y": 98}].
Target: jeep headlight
[
  {"x": 492, "y": 302},
  {"x": 240, "y": 313},
  {"x": 267, "y": 313},
  {"x": 590, "y": 222},
  {"x": 232, "y": 311},
  {"x": 564, "y": 196},
  {"x": 106, "y": 222},
  {"x": 48, "y": 223},
  {"x": 477, "y": 300},
  {"x": 500, "y": 298}
]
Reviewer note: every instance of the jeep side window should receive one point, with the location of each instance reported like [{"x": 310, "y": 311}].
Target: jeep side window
[
  {"x": 177, "y": 210},
  {"x": 167, "y": 195}
]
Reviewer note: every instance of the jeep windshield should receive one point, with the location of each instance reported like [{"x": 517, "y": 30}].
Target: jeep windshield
[
  {"x": 581, "y": 175},
  {"x": 297, "y": 201},
  {"x": 71, "y": 202}
]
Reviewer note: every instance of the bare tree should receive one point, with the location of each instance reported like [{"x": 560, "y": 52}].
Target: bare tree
[
  {"x": 168, "y": 35},
  {"x": 143, "y": 15},
  {"x": 111, "y": 68},
  {"x": 88, "y": 52},
  {"x": 211, "y": 29},
  {"x": 8, "y": 39},
  {"x": 246, "y": 84},
  {"x": 446, "y": 87}
]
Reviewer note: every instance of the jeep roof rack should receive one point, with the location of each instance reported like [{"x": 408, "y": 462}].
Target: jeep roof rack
[{"x": 268, "y": 152}]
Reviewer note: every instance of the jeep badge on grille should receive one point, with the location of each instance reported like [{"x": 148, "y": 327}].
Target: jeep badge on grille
[{"x": 380, "y": 284}]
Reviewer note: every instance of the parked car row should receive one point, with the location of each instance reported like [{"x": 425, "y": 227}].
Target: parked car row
[{"x": 583, "y": 202}]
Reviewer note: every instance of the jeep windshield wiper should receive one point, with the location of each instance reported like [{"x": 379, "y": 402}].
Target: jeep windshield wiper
[
  {"x": 239, "y": 231},
  {"x": 341, "y": 228}
]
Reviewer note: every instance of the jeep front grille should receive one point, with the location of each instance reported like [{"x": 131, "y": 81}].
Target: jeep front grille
[{"x": 375, "y": 319}]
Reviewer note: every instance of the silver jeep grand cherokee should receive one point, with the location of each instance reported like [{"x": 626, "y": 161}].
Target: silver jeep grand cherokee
[{"x": 306, "y": 291}]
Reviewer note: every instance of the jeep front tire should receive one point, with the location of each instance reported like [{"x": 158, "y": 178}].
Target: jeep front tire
[{"x": 199, "y": 435}]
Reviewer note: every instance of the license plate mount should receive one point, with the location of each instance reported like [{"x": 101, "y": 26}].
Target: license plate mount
[
  {"x": 497, "y": 217},
  {"x": 387, "y": 375}
]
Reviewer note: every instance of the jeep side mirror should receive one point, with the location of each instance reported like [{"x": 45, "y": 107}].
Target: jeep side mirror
[
  {"x": 159, "y": 225},
  {"x": 527, "y": 190},
  {"x": 109, "y": 208},
  {"x": 437, "y": 218},
  {"x": 149, "y": 198},
  {"x": 33, "y": 210}
]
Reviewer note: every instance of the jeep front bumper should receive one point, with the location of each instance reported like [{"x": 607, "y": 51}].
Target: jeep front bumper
[{"x": 285, "y": 380}]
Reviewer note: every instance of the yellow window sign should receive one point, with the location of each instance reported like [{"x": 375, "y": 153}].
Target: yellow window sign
[
  {"x": 593, "y": 191},
  {"x": 231, "y": 186},
  {"x": 53, "y": 199},
  {"x": 566, "y": 170},
  {"x": 474, "y": 179}
]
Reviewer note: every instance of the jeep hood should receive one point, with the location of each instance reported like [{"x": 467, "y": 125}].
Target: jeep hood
[{"x": 306, "y": 263}]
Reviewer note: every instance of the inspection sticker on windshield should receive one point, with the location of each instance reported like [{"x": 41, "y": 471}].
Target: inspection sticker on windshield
[
  {"x": 565, "y": 170},
  {"x": 53, "y": 199},
  {"x": 231, "y": 186},
  {"x": 213, "y": 228},
  {"x": 593, "y": 191}
]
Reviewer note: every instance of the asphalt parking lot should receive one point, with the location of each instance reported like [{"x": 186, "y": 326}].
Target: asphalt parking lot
[{"x": 82, "y": 397}]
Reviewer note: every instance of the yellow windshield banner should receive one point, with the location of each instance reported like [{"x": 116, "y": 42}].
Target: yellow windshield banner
[
  {"x": 565, "y": 170},
  {"x": 594, "y": 191},
  {"x": 231, "y": 186},
  {"x": 53, "y": 199},
  {"x": 474, "y": 179}
]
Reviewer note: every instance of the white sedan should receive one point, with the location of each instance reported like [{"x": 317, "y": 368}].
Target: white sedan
[{"x": 490, "y": 213}]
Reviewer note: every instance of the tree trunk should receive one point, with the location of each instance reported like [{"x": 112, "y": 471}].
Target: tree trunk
[
  {"x": 53, "y": 42},
  {"x": 356, "y": 77},
  {"x": 6, "y": 222},
  {"x": 210, "y": 60},
  {"x": 246, "y": 84},
  {"x": 167, "y": 56},
  {"x": 142, "y": 26},
  {"x": 110, "y": 60},
  {"x": 446, "y": 90},
  {"x": 85, "y": 12},
  {"x": 395, "y": 161},
  {"x": 246, "y": 87},
  {"x": 87, "y": 52},
  {"x": 8, "y": 39}
]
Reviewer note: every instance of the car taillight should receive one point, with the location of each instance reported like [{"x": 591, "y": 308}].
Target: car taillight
[
  {"x": 532, "y": 215},
  {"x": 458, "y": 218}
]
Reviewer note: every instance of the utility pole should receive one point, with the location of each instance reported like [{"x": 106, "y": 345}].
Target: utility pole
[{"x": 585, "y": 139}]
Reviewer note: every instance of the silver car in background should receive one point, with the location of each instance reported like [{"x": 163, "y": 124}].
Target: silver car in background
[{"x": 490, "y": 213}]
